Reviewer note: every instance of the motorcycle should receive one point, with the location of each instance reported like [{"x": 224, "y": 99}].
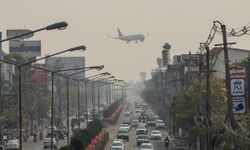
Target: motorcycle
[
  {"x": 41, "y": 136},
  {"x": 35, "y": 139}
]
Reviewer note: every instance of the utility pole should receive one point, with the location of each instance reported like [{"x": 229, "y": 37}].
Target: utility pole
[
  {"x": 228, "y": 85},
  {"x": 1, "y": 84},
  {"x": 208, "y": 99}
]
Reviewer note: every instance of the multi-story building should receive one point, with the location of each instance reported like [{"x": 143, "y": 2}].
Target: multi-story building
[
  {"x": 235, "y": 55},
  {"x": 62, "y": 63}
]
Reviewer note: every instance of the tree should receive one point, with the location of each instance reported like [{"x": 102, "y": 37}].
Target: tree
[{"x": 186, "y": 106}]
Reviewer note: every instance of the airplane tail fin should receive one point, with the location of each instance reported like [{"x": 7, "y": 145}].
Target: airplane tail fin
[{"x": 119, "y": 32}]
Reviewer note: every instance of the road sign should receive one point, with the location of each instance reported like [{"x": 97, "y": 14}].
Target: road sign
[
  {"x": 237, "y": 87},
  {"x": 238, "y": 90},
  {"x": 239, "y": 105}
]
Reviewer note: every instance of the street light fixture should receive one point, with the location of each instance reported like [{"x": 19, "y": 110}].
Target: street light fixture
[
  {"x": 95, "y": 76},
  {"x": 85, "y": 80},
  {"x": 92, "y": 84},
  {"x": 67, "y": 79},
  {"x": 98, "y": 90},
  {"x": 19, "y": 66},
  {"x": 84, "y": 69},
  {"x": 59, "y": 25},
  {"x": 108, "y": 93}
]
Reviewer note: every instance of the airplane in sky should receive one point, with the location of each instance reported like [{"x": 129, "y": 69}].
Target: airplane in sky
[{"x": 129, "y": 38}]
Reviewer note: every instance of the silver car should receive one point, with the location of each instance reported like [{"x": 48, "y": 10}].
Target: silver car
[{"x": 155, "y": 135}]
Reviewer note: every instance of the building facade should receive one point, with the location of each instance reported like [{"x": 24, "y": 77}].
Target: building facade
[
  {"x": 62, "y": 63},
  {"x": 235, "y": 55}
]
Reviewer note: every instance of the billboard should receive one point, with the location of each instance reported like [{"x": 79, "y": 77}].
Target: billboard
[
  {"x": 238, "y": 90},
  {"x": 26, "y": 48},
  {"x": 40, "y": 76},
  {"x": 16, "y": 32},
  {"x": 63, "y": 63}
]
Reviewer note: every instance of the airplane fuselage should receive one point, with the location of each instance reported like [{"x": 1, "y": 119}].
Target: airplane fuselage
[{"x": 136, "y": 37}]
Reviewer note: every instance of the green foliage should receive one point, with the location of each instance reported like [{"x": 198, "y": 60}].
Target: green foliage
[
  {"x": 186, "y": 106},
  {"x": 83, "y": 139},
  {"x": 108, "y": 112}
]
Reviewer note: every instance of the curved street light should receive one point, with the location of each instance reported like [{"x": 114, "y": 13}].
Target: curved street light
[
  {"x": 59, "y": 25},
  {"x": 98, "y": 91},
  {"x": 19, "y": 66},
  {"x": 58, "y": 72}
]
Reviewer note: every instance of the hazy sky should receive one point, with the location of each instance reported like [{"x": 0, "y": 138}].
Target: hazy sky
[{"x": 182, "y": 23}]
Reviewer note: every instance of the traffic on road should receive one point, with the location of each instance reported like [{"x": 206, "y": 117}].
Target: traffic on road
[{"x": 139, "y": 128}]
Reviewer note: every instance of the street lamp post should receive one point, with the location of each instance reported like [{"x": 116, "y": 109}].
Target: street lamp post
[
  {"x": 92, "y": 84},
  {"x": 78, "y": 88},
  {"x": 60, "y": 25},
  {"x": 67, "y": 93},
  {"x": 20, "y": 81},
  {"x": 98, "y": 90},
  {"x": 108, "y": 93},
  {"x": 86, "y": 80}
]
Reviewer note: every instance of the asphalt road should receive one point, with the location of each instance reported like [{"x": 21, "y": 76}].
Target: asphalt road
[
  {"x": 30, "y": 145},
  {"x": 131, "y": 144}
]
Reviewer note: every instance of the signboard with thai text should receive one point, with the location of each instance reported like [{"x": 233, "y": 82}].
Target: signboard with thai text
[
  {"x": 28, "y": 49},
  {"x": 238, "y": 90}
]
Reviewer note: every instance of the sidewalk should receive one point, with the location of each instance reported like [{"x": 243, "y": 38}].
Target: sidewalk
[{"x": 176, "y": 143}]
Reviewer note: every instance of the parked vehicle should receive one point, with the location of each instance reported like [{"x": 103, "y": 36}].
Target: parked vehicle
[
  {"x": 60, "y": 134},
  {"x": 54, "y": 136},
  {"x": 12, "y": 144},
  {"x": 47, "y": 143}
]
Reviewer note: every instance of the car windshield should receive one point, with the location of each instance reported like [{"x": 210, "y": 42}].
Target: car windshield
[
  {"x": 159, "y": 121},
  {"x": 142, "y": 137},
  {"x": 155, "y": 132},
  {"x": 123, "y": 131},
  {"x": 12, "y": 142},
  {"x": 146, "y": 146},
  {"x": 117, "y": 144}
]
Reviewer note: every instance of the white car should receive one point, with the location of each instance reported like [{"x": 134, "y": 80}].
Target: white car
[
  {"x": 47, "y": 143},
  {"x": 125, "y": 126},
  {"x": 159, "y": 124},
  {"x": 141, "y": 131},
  {"x": 127, "y": 113},
  {"x": 135, "y": 123},
  {"x": 146, "y": 146},
  {"x": 117, "y": 144},
  {"x": 155, "y": 135},
  {"x": 12, "y": 144}
]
